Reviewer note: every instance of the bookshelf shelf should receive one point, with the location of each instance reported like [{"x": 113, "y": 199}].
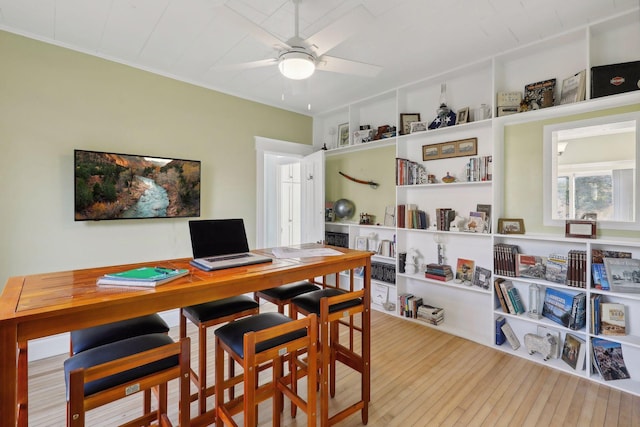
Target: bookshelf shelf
[{"x": 470, "y": 311}]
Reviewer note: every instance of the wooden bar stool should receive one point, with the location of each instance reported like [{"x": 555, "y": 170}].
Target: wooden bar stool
[
  {"x": 113, "y": 371},
  {"x": 205, "y": 316},
  {"x": 333, "y": 306},
  {"x": 266, "y": 339},
  {"x": 282, "y": 295}
]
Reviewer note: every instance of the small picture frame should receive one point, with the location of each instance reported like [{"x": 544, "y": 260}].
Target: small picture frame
[
  {"x": 405, "y": 122},
  {"x": 510, "y": 226},
  {"x": 418, "y": 127},
  {"x": 343, "y": 135},
  {"x": 463, "y": 115},
  {"x": 467, "y": 147},
  {"x": 361, "y": 243},
  {"x": 430, "y": 152},
  {"x": 580, "y": 228}
]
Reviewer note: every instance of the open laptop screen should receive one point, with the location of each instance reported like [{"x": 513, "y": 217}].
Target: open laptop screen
[{"x": 212, "y": 237}]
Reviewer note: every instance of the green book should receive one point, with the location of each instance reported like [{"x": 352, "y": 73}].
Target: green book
[{"x": 150, "y": 274}]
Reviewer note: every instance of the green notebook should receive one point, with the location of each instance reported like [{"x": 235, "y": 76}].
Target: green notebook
[{"x": 150, "y": 274}]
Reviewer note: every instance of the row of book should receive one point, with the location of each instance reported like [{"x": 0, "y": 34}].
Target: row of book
[
  {"x": 409, "y": 216},
  {"x": 444, "y": 217},
  {"x": 570, "y": 269},
  {"x": 414, "y": 307},
  {"x": 409, "y": 172},
  {"x": 508, "y": 296},
  {"x": 480, "y": 169}
]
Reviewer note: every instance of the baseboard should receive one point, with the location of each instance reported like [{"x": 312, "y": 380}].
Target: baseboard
[{"x": 59, "y": 344}]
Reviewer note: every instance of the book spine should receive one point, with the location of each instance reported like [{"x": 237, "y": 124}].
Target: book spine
[
  {"x": 511, "y": 336},
  {"x": 500, "y": 337},
  {"x": 505, "y": 291}
]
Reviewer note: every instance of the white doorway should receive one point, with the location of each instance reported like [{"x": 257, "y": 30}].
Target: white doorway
[{"x": 290, "y": 193}]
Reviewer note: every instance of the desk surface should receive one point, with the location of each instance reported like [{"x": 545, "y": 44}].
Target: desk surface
[{"x": 45, "y": 304}]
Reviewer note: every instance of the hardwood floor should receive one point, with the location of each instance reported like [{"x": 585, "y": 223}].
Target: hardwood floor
[{"x": 420, "y": 377}]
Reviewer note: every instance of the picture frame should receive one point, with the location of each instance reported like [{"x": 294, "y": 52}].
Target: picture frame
[
  {"x": 361, "y": 243},
  {"x": 430, "y": 152},
  {"x": 511, "y": 226},
  {"x": 343, "y": 135},
  {"x": 446, "y": 150},
  {"x": 418, "y": 127},
  {"x": 405, "y": 122},
  {"x": 463, "y": 115},
  {"x": 580, "y": 228}
]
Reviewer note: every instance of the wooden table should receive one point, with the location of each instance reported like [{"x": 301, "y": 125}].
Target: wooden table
[{"x": 41, "y": 305}]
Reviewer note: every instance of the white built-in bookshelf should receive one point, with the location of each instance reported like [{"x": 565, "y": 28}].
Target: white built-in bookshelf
[{"x": 470, "y": 311}]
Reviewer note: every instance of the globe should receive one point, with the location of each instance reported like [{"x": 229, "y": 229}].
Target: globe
[{"x": 344, "y": 208}]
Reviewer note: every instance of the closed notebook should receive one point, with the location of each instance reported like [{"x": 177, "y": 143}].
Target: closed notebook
[{"x": 147, "y": 273}]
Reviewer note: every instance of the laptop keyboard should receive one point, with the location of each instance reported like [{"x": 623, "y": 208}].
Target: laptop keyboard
[{"x": 227, "y": 257}]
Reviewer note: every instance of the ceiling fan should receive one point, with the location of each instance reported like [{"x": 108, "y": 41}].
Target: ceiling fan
[{"x": 298, "y": 58}]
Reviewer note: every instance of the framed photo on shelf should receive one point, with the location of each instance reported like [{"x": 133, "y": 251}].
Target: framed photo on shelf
[
  {"x": 446, "y": 150},
  {"x": 580, "y": 228},
  {"x": 418, "y": 127},
  {"x": 361, "y": 243},
  {"x": 405, "y": 122},
  {"x": 510, "y": 226},
  {"x": 343, "y": 135},
  {"x": 463, "y": 115}
]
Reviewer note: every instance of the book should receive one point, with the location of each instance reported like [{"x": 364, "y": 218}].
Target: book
[
  {"x": 567, "y": 308},
  {"x": 504, "y": 287},
  {"x": 540, "y": 94},
  {"x": 598, "y": 270},
  {"x": 623, "y": 274},
  {"x": 531, "y": 266},
  {"x": 510, "y": 336},
  {"x": 500, "y": 337},
  {"x": 500, "y": 295},
  {"x": 142, "y": 277},
  {"x": 556, "y": 270},
  {"x": 486, "y": 210},
  {"x": 596, "y": 300},
  {"x": 148, "y": 282},
  {"x": 518, "y": 305},
  {"x": 599, "y": 277},
  {"x": 464, "y": 271},
  {"x": 482, "y": 277},
  {"x": 574, "y": 351},
  {"x": 609, "y": 360},
  {"x": 613, "y": 318},
  {"x": 573, "y": 88}
]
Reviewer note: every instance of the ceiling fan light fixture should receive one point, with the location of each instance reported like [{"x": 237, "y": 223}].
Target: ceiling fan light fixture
[{"x": 297, "y": 65}]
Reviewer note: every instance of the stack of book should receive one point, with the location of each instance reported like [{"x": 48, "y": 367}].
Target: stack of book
[
  {"x": 147, "y": 277},
  {"x": 430, "y": 314},
  {"x": 409, "y": 216},
  {"x": 480, "y": 169},
  {"x": 409, "y": 172},
  {"x": 441, "y": 272},
  {"x": 444, "y": 216}
]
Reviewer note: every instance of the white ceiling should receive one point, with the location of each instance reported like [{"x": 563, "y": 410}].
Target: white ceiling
[{"x": 190, "y": 40}]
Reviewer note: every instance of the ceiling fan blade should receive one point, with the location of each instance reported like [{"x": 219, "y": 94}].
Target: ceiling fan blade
[
  {"x": 256, "y": 31},
  {"x": 345, "y": 66},
  {"x": 341, "y": 29},
  {"x": 245, "y": 65}
]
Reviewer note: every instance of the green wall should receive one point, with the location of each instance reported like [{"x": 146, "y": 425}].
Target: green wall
[
  {"x": 372, "y": 165},
  {"x": 53, "y": 100},
  {"x": 523, "y": 168}
]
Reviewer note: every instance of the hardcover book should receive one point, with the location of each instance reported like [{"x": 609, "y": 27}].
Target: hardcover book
[
  {"x": 599, "y": 277},
  {"x": 574, "y": 352},
  {"x": 609, "y": 360},
  {"x": 613, "y": 318},
  {"x": 574, "y": 88},
  {"x": 556, "y": 270},
  {"x": 540, "y": 94},
  {"x": 623, "y": 274},
  {"x": 500, "y": 338},
  {"x": 532, "y": 266},
  {"x": 511, "y": 336},
  {"x": 565, "y": 307}
]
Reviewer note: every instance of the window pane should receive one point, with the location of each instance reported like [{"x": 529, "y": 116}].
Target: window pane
[
  {"x": 594, "y": 194},
  {"x": 562, "y": 204}
]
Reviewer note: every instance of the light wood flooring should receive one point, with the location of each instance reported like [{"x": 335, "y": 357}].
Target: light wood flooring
[{"x": 420, "y": 377}]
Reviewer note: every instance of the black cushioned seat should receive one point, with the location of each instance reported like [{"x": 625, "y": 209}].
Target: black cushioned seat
[
  {"x": 310, "y": 302},
  {"x": 118, "y": 350},
  {"x": 291, "y": 290},
  {"x": 85, "y": 339},
  {"x": 232, "y": 334},
  {"x": 220, "y": 308}
]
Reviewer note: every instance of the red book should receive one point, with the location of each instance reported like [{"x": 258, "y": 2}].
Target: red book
[{"x": 435, "y": 277}]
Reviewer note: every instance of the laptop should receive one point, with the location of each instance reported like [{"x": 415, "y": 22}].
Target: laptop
[{"x": 221, "y": 243}]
